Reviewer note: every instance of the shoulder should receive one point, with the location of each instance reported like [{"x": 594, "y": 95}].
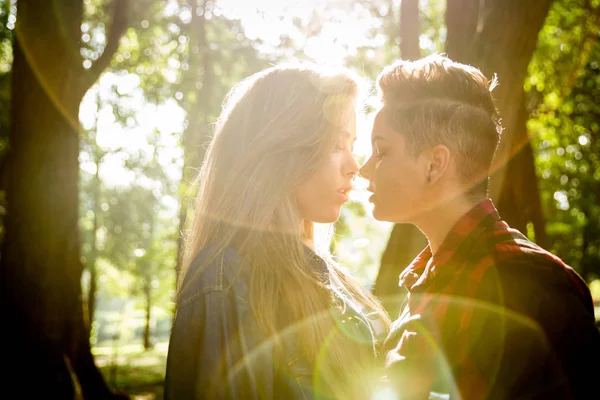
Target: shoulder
[
  {"x": 213, "y": 272},
  {"x": 506, "y": 264},
  {"x": 515, "y": 256},
  {"x": 519, "y": 258},
  {"x": 532, "y": 277}
]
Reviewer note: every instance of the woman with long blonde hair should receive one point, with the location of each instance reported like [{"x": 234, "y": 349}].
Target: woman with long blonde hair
[{"x": 263, "y": 312}]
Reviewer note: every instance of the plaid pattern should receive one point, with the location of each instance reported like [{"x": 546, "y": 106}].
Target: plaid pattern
[{"x": 441, "y": 331}]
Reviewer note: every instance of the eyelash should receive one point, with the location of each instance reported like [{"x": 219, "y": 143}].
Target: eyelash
[{"x": 339, "y": 147}]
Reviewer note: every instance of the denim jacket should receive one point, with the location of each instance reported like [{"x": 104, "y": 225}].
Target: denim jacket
[{"x": 217, "y": 349}]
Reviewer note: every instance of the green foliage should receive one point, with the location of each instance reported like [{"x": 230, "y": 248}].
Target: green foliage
[
  {"x": 7, "y": 20},
  {"x": 359, "y": 241},
  {"x": 131, "y": 177},
  {"x": 382, "y": 46},
  {"x": 133, "y": 245},
  {"x": 129, "y": 226},
  {"x": 131, "y": 172},
  {"x": 564, "y": 92},
  {"x": 162, "y": 42}
]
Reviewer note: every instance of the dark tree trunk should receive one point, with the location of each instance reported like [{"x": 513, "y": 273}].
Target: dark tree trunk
[
  {"x": 40, "y": 253},
  {"x": 499, "y": 38},
  {"x": 461, "y": 23},
  {"x": 503, "y": 45},
  {"x": 146, "y": 269},
  {"x": 48, "y": 348},
  {"x": 91, "y": 301},
  {"x": 148, "y": 296},
  {"x": 409, "y": 30}
]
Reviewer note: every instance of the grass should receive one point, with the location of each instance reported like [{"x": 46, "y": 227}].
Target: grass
[{"x": 131, "y": 370}]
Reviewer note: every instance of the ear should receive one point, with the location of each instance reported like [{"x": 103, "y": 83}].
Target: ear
[{"x": 439, "y": 162}]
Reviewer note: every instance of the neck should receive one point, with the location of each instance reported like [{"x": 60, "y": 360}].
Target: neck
[
  {"x": 308, "y": 234},
  {"x": 437, "y": 223}
]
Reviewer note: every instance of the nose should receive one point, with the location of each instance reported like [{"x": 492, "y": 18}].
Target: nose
[
  {"x": 352, "y": 166},
  {"x": 365, "y": 170}
]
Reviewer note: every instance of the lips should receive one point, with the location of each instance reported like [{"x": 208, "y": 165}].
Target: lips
[
  {"x": 343, "y": 193},
  {"x": 345, "y": 190},
  {"x": 372, "y": 197}
]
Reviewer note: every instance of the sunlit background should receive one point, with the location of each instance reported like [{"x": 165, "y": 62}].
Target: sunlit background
[
  {"x": 126, "y": 126},
  {"x": 136, "y": 115},
  {"x": 146, "y": 120}
]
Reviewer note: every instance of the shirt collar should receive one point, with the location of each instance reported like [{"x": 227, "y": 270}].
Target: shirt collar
[
  {"x": 468, "y": 226},
  {"x": 316, "y": 262}
]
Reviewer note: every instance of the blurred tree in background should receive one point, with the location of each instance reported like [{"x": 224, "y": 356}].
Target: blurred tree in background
[
  {"x": 563, "y": 93},
  {"x": 40, "y": 267}
]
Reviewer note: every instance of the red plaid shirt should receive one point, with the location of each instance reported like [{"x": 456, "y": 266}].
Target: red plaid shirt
[{"x": 487, "y": 297}]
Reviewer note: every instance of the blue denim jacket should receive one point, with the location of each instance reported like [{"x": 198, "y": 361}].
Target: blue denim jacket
[{"x": 217, "y": 349}]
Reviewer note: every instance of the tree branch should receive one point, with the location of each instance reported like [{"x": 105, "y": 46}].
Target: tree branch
[{"x": 117, "y": 28}]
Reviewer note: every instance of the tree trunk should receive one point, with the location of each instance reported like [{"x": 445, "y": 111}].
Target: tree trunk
[
  {"x": 148, "y": 296},
  {"x": 40, "y": 270},
  {"x": 148, "y": 264},
  {"x": 197, "y": 110},
  {"x": 91, "y": 263},
  {"x": 461, "y": 23},
  {"x": 409, "y": 30},
  {"x": 499, "y": 38},
  {"x": 503, "y": 45}
]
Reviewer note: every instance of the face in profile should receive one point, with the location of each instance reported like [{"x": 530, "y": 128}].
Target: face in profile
[
  {"x": 396, "y": 177},
  {"x": 322, "y": 195}
]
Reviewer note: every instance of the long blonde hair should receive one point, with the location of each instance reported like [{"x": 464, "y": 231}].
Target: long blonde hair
[{"x": 275, "y": 130}]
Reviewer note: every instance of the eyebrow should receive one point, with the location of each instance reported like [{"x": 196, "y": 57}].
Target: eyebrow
[{"x": 376, "y": 138}]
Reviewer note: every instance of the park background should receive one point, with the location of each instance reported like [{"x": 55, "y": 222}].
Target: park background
[{"x": 106, "y": 107}]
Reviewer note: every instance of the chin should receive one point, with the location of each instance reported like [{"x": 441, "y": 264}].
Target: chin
[
  {"x": 378, "y": 215},
  {"x": 381, "y": 215},
  {"x": 329, "y": 218}
]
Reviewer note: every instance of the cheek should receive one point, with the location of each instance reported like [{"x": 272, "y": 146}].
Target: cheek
[
  {"x": 389, "y": 178},
  {"x": 397, "y": 186},
  {"x": 303, "y": 198},
  {"x": 325, "y": 178},
  {"x": 316, "y": 197}
]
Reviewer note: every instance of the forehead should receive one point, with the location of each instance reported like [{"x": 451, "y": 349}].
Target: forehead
[
  {"x": 346, "y": 127},
  {"x": 384, "y": 134},
  {"x": 344, "y": 134},
  {"x": 381, "y": 127}
]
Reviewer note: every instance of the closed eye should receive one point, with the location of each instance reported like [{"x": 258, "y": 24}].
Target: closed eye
[
  {"x": 338, "y": 147},
  {"x": 379, "y": 154},
  {"x": 342, "y": 146}
]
